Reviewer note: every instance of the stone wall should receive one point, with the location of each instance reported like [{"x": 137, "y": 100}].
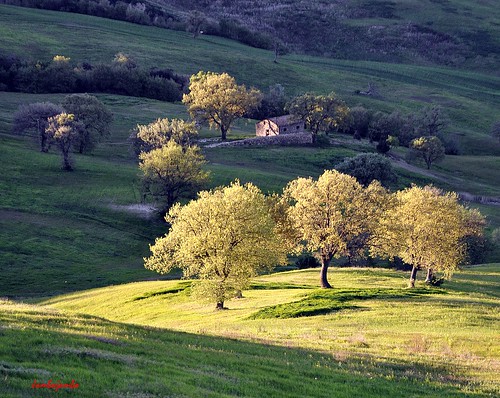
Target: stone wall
[{"x": 286, "y": 139}]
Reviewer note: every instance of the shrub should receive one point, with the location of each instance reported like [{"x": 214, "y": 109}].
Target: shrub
[{"x": 306, "y": 260}]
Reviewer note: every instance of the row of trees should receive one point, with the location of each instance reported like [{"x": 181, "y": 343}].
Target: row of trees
[
  {"x": 231, "y": 233},
  {"x": 122, "y": 76},
  {"x": 218, "y": 100},
  {"x": 78, "y": 124}
]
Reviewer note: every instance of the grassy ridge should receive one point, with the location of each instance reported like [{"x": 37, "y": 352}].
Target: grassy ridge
[{"x": 451, "y": 332}]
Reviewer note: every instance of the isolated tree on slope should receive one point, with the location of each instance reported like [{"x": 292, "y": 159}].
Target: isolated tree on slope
[
  {"x": 330, "y": 213},
  {"x": 34, "y": 117},
  {"x": 429, "y": 148},
  {"x": 218, "y": 100},
  {"x": 224, "y": 238}
]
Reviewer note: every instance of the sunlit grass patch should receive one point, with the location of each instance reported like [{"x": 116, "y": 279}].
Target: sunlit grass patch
[{"x": 323, "y": 301}]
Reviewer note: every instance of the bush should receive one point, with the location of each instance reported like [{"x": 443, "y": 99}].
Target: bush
[
  {"x": 367, "y": 167},
  {"x": 306, "y": 260}
]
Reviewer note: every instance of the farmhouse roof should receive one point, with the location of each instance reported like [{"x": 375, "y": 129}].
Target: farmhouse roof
[{"x": 284, "y": 120}]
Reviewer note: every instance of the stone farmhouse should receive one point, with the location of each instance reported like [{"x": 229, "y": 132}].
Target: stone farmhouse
[{"x": 287, "y": 124}]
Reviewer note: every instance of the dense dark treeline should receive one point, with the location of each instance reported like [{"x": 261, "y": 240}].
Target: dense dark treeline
[
  {"x": 61, "y": 76},
  {"x": 147, "y": 14}
]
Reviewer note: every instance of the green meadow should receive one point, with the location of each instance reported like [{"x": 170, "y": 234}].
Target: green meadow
[{"x": 80, "y": 305}]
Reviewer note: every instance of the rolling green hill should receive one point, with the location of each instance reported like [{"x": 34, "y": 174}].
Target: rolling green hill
[
  {"x": 72, "y": 243},
  {"x": 83, "y": 235}
]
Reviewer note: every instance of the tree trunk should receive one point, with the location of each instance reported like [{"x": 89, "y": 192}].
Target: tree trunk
[
  {"x": 413, "y": 277},
  {"x": 324, "y": 272},
  {"x": 220, "y": 305},
  {"x": 429, "y": 277},
  {"x": 223, "y": 131}
]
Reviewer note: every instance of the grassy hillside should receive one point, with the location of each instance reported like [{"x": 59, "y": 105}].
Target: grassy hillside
[
  {"x": 443, "y": 340},
  {"x": 470, "y": 99},
  {"x": 464, "y": 33}
]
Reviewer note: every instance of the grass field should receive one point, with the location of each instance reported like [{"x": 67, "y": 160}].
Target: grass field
[{"x": 151, "y": 339}]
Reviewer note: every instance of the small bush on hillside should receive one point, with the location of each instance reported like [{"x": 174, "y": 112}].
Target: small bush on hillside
[{"x": 367, "y": 167}]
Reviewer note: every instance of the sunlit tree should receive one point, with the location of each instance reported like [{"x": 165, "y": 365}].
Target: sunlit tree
[
  {"x": 217, "y": 99},
  {"x": 429, "y": 148},
  {"x": 425, "y": 227},
  {"x": 320, "y": 113},
  {"x": 94, "y": 117},
  {"x": 172, "y": 172},
  {"x": 156, "y": 134},
  {"x": 331, "y": 213},
  {"x": 65, "y": 130},
  {"x": 223, "y": 238}
]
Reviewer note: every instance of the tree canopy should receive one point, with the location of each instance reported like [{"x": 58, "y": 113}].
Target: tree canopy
[
  {"x": 367, "y": 167},
  {"x": 156, "y": 134},
  {"x": 34, "y": 117},
  {"x": 172, "y": 171},
  {"x": 224, "y": 238},
  {"x": 65, "y": 130},
  {"x": 429, "y": 148},
  {"x": 319, "y": 112},
  {"x": 94, "y": 117},
  {"x": 332, "y": 216},
  {"x": 217, "y": 99},
  {"x": 425, "y": 227}
]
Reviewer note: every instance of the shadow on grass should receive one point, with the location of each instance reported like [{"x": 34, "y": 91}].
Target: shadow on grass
[
  {"x": 43, "y": 344},
  {"x": 180, "y": 287},
  {"x": 325, "y": 301}
]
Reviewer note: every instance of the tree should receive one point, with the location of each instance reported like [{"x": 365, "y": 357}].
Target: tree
[
  {"x": 195, "y": 22},
  {"x": 224, "y": 238},
  {"x": 65, "y": 130},
  {"x": 431, "y": 121},
  {"x": 154, "y": 135},
  {"x": 34, "y": 117},
  {"x": 217, "y": 99},
  {"x": 319, "y": 112},
  {"x": 330, "y": 213},
  {"x": 424, "y": 227},
  {"x": 93, "y": 115},
  {"x": 367, "y": 167},
  {"x": 429, "y": 148},
  {"x": 357, "y": 122},
  {"x": 495, "y": 130},
  {"x": 171, "y": 172}
]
